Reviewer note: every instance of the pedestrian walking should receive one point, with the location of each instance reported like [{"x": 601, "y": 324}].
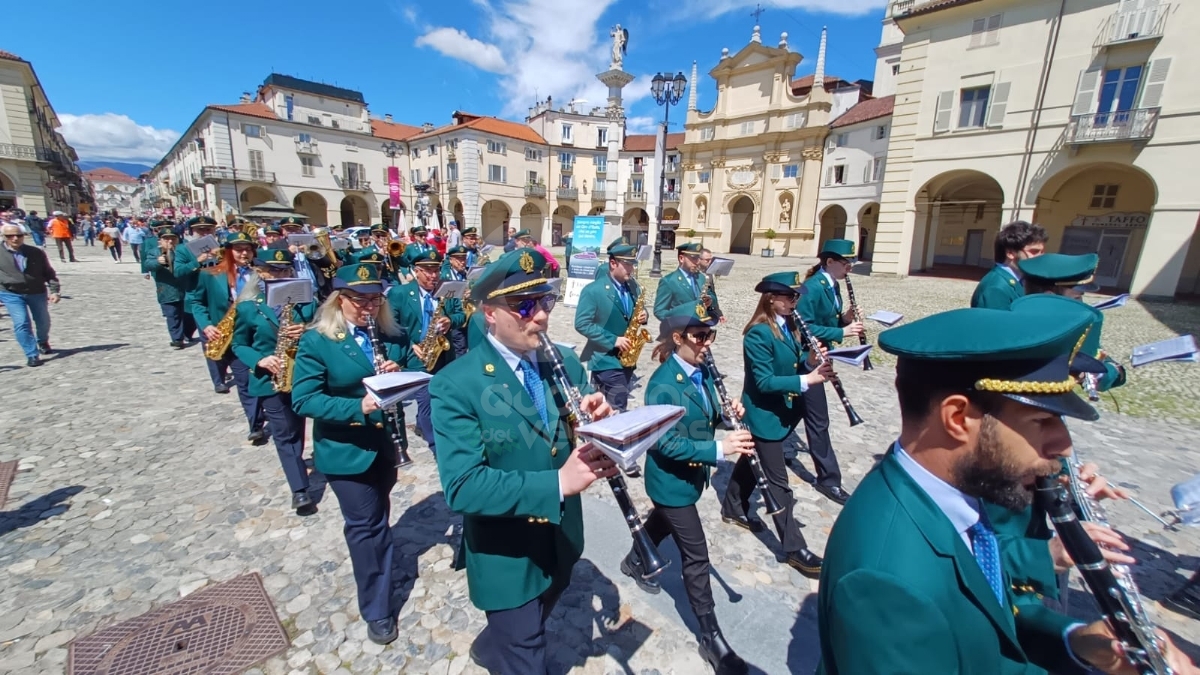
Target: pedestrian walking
[
  {"x": 134, "y": 234},
  {"x": 89, "y": 233},
  {"x": 111, "y": 236},
  {"x": 60, "y": 232},
  {"x": 28, "y": 285},
  {"x": 36, "y": 227}
]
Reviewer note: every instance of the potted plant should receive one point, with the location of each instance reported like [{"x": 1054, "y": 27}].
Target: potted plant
[
  {"x": 769, "y": 252},
  {"x": 690, "y": 234}
]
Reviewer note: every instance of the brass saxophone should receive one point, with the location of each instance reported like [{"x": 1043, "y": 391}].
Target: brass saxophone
[
  {"x": 636, "y": 333},
  {"x": 707, "y": 293},
  {"x": 434, "y": 343},
  {"x": 215, "y": 349},
  {"x": 285, "y": 351}
]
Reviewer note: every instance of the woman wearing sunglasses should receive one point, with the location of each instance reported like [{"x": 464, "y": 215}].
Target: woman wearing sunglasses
[
  {"x": 351, "y": 444},
  {"x": 679, "y": 465},
  {"x": 778, "y": 372}
]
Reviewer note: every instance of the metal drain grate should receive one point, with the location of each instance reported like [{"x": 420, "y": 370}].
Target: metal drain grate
[
  {"x": 219, "y": 630},
  {"x": 8, "y": 471}
]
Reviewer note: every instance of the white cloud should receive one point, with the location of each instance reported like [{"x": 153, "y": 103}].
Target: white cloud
[
  {"x": 110, "y": 136},
  {"x": 642, "y": 125},
  {"x": 458, "y": 45},
  {"x": 713, "y": 8}
]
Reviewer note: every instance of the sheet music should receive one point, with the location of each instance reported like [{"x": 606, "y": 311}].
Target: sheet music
[
  {"x": 340, "y": 244},
  {"x": 886, "y": 318},
  {"x": 1182, "y": 348},
  {"x": 301, "y": 240},
  {"x": 474, "y": 273},
  {"x": 451, "y": 289},
  {"x": 282, "y": 292},
  {"x": 388, "y": 389},
  {"x": 720, "y": 267},
  {"x": 644, "y": 252},
  {"x": 626, "y": 436},
  {"x": 202, "y": 245},
  {"x": 852, "y": 355},
  {"x": 1112, "y": 303}
]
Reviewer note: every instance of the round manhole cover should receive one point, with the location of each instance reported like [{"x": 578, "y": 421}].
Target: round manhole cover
[{"x": 182, "y": 643}]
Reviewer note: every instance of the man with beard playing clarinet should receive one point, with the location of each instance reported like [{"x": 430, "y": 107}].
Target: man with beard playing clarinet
[
  {"x": 679, "y": 465},
  {"x": 507, "y": 465},
  {"x": 914, "y": 581}
]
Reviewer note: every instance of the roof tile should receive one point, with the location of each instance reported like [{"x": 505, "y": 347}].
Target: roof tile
[
  {"x": 869, "y": 109},
  {"x": 645, "y": 142},
  {"x": 9, "y": 56},
  {"x": 106, "y": 174},
  {"x": 393, "y": 131},
  {"x": 252, "y": 109}
]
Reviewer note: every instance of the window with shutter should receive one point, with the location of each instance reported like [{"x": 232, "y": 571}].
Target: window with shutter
[
  {"x": 978, "y": 27},
  {"x": 776, "y": 171},
  {"x": 992, "y": 37},
  {"x": 1156, "y": 81},
  {"x": 829, "y": 176},
  {"x": 945, "y": 108},
  {"x": 1085, "y": 93},
  {"x": 867, "y": 171},
  {"x": 998, "y": 104}
]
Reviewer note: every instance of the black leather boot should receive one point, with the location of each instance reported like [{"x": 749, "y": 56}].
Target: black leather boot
[
  {"x": 715, "y": 650},
  {"x": 631, "y": 566}
]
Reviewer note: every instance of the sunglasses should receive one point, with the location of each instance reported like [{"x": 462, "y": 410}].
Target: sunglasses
[
  {"x": 363, "y": 300},
  {"x": 707, "y": 337},
  {"x": 527, "y": 307},
  {"x": 19, "y": 235}
]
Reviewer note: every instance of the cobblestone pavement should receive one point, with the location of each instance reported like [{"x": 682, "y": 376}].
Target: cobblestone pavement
[{"x": 136, "y": 487}]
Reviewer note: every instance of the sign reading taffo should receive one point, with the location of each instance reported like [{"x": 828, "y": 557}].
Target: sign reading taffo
[{"x": 1119, "y": 220}]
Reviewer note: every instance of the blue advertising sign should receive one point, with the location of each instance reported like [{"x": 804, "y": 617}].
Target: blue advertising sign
[{"x": 587, "y": 242}]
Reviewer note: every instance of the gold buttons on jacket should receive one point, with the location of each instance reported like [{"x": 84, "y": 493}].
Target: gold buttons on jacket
[
  {"x": 379, "y": 425},
  {"x": 678, "y": 377},
  {"x": 538, "y": 521},
  {"x": 356, "y": 424},
  {"x": 695, "y": 465},
  {"x": 796, "y": 365},
  {"x": 554, "y": 452},
  {"x": 489, "y": 368}
]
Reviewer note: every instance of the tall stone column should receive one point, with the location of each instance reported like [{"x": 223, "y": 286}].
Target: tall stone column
[{"x": 615, "y": 79}]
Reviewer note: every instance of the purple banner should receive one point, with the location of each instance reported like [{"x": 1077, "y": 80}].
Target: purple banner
[{"x": 393, "y": 174}]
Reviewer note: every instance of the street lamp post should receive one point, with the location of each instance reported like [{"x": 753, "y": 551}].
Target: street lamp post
[
  {"x": 391, "y": 149},
  {"x": 667, "y": 92}
]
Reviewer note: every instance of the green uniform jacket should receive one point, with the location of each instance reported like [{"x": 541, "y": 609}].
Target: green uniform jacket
[
  {"x": 255, "y": 333},
  {"x": 476, "y": 329},
  {"x": 601, "y": 270},
  {"x": 405, "y": 301},
  {"x": 499, "y": 468},
  {"x": 996, "y": 290},
  {"x": 448, "y": 274},
  {"x": 327, "y": 388},
  {"x": 819, "y": 307},
  {"x": 771, "y": 390},
  {"x": 167, "y": 287},
  {"x": 678, "y": 466},
  {"x": 675, "y": 290},
  {"x": 601, "y": 319},
  {"x": 900, "y": 592},
  {"x": 210, "y": 299}
]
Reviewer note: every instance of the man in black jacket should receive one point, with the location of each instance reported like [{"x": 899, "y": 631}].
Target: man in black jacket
[{"x": 25, "y": 278}]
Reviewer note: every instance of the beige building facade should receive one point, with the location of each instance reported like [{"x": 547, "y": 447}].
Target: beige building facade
[
  {"x": 752, "y": 164},
  {"x": 1081, "y": 116},
  {"x": 37, "y": 166}
]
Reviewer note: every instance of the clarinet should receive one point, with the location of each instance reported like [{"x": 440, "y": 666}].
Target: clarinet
[
  {"x": 760, "y": 477},
  {"x": 814, "y": 345},
  {"x": 1112, "y": 587},
  {"x": 862, "y": 339},
  {"x": 652, "y": 562},
  {"x": 391, "y": 419}
]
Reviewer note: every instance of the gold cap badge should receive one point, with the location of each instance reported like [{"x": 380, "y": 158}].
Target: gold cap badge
[
  {"x": 702, "y": 313},
  {"x": 526, "y": 263},
  {"x": 363, "y": 273},
  {"x": 279, "y": 255}
]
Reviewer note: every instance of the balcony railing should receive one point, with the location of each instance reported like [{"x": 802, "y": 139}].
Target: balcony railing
[
  {"x": 568, "y": 193},
  {"x": 1123, "y": 125},
  {"x": 672, "y": 167},
  {"x": 214, "y": 174},
  {"x": 902, "y": 7},
  {"x": 353, "y": 184},
  {"x": 567, "y": 167},
  {"x": 635, "y": 196},
  {"x": 670, "y": 197},
  {"x": 535, "y": 191},
  {"x": 30, "y": 152},
  {"x": 599, "y": 196},
  {"x": 307, "y": 148},
  {"x": 452, "y": 186},
  {"x": 1129, "y": 25}
]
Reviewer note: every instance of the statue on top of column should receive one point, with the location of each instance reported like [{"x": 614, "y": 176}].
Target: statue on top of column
[{"x": 620, "y": 44}]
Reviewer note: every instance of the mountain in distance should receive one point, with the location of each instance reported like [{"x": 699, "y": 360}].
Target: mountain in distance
[{"x": 128, "y": 168}]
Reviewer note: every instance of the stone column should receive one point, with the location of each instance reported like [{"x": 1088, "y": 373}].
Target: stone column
[
  {"x": 468, "y": 183},
  {"x": 616, "y": 80},
  {"x": 805, "y": 216}
]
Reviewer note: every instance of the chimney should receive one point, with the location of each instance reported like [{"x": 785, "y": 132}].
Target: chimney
[
  {"x": 245, "y": 97},
  {"x": 388, "y": 118},
  {"x": 427, "y": 127}
]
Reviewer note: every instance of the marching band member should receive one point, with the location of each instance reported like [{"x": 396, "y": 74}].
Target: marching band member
[
  {"x": 775, "y": 378},
  {"x": 706, "y": 260},
  {"x": 455, "y": 268},
  {"x": 685, "y": 285},
  {"x": 679, "y": 465},
  {"x": 470, "y": 241},
  {"x": 914, "y": 581},
  {"x": 211, "y": 301},
  {"x": 414, "y": 310},
  {"x": 1015, "y": 242},
  {"x": 507, "y": 465},
  {"x": 256, "y": 337},
  {"x": 170, "y": 290},
  {"x": 351, "y": 445},
  {"x": 602, "y": 270},
  {"x": 830, "y": 320},
  {"x": 186, "y": 267},
  {"x": 604, "y": 313},
  {"x": 419, "y": 243}
]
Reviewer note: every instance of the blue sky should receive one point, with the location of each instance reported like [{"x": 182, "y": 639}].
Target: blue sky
[{"x": 127, "y": 77}]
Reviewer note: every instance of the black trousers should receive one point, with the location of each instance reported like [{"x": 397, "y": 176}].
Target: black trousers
[
  {"x": 816, "y": 431},
  {"x": 741, "y": 486},
  {"x": 615, "y": 385},
  {"x": 683, "y": 524},
  {"x": 287, "y": 430},
  {"x": 514, "y": 641},
  {"x": 365, "y": 500},
  {"x": 180, "y": 324},
  {"x": 425, "y": 419},
  {"x": 458, "y": 340}
]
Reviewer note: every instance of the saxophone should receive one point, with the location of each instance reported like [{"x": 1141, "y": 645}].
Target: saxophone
[
  {"x": 285, "y": 351},
  {"x": 434, "y": 343},
  {"x": 215, "y": 349},
  {"x": 636, "y": 333}
]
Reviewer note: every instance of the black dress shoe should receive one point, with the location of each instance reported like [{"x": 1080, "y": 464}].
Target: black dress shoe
[
  {"x": 834, "y": 492},
  {"x": 805, "y": 562},
  {"x": 631, "y": 566},
  {"x": 301, "y": 500},
  {"x": 257, "y": 437},
  {"x": 383, "y": 631},
  {"x": 745, "y": 522},
  {"x": 716, "y": 651},
  {"x": 33, "y": 362},
  {"x": 44, "y": 347},
  {"x": 476, "y": 657},
  {"x": 177, "y": 344},
  {"x": 222, "y": 388}
]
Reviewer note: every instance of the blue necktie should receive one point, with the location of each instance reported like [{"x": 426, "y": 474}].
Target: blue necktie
[
  {"x": 242, "y": 273},
  {"x": 987, "y": 554},
  {"x": 364, "y": 343},
  {"x": 695, "y": 288},
  {"x": 426, "y": 314},
  {"x": 533, "y": 386},
  {"x": 623, "y": 291},
  {"x": 698, "y": 380},
  {"x": 787, "y": 335},
  {"x": 837, "y": 295}
]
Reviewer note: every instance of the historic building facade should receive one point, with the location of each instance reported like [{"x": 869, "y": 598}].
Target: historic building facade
[
  {"x": 752, "y": 165},
  {"x": 37, "y": 166},
  {"x": 113, "y": 190},
  {"x": 1080, "y": 116}
]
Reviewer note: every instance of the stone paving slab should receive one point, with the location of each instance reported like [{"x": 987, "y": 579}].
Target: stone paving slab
[{"x": 137, "y": 487}]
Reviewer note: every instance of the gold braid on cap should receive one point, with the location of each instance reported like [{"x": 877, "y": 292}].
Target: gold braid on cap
[
  {"x": 1019, "y": 387},
  {"x": 517, "y": 287}
]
